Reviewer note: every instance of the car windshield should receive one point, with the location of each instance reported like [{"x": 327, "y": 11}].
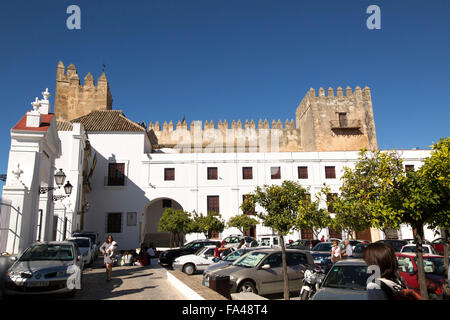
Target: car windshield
[
  {"x": 232, "y": 240},
  {"x": 433, "y": 265},
  {"x": 82, "y": 243},
  {"x": 235, "y": 255},
  {"x": 322, "y": 247},
  {"x": 200, "y": 251},
  {"x": 50, "y": 252},
  {"x": 251, "y": 260},
  {"x": 264, "y": 242},
  {"x": 360, "y": 248},
  {"x": 347, "y": 277},
  {"x": 89, "y": 235},
  {"x": 414, "y": 249}
]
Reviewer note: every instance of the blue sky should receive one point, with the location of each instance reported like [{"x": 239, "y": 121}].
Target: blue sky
[{"x": 235, "y": 59}]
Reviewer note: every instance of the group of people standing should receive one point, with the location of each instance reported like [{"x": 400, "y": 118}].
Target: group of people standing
[
  {"x": 126, "y": 258},
  {"x": 337, "y": 255}
]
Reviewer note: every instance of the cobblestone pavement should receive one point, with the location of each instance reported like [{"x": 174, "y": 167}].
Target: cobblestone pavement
[{"x": 127, "y": 283}]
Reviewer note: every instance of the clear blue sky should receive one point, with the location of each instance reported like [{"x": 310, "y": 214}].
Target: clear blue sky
[{"x": 235, "y": 59}]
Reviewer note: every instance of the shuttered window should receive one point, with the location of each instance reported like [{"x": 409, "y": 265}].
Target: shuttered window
[
  {"x": 169, "y": 174},
  {"x": 114, "y": 224},
  {"x": 275, "y": 172},
  {"x": 247, "y": 173},
  {"x": 212, "y": 173},
  {"x": 213, "y": 204},
  {"x": 330, "y": 173},
  {"x": 303, "y": 172}
]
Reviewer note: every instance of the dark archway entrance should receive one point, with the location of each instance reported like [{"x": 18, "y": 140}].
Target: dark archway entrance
[{"x": 151, "y": 215}]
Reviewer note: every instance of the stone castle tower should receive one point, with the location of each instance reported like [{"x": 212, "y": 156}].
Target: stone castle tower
[
  {"x": 73, "y": 100},
  {"x": 327, "y": 122},
  {"x": 336, "y": 122}
]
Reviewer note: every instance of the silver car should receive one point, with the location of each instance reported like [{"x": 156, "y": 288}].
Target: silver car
[
  {"x": 261, "y": 271},
  {"x": 347, "y": 280},
  {"x": 44, "y": 268},
  {"x": 226, "y": 261}
]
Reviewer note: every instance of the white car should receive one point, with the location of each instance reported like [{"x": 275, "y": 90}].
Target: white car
[
  {"x": 269, "y": 241},
  {"x": 199, "y": 261},
  {"x": 85, "y": 247},
  {"x": 412, "y": 248}
]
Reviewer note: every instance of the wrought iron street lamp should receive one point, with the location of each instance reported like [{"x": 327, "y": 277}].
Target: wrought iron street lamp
[{"x": 60, "y": 177}]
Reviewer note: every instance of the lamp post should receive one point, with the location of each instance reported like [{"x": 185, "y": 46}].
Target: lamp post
[{"x": 60, "y": 177}]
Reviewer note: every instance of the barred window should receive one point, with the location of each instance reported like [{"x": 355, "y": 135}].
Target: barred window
[
  {"x": 116, "y": 174},
  {"x": 114, "y": 224},
  {"x": 409, "y": 167}
]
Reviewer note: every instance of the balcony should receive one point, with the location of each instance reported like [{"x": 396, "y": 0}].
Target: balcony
[{"x": 347, "y": 124}]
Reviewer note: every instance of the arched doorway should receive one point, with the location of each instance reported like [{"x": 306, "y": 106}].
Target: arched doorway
[{"x": 151, "y": 215}]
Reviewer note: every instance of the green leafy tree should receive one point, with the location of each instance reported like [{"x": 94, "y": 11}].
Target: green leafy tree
[
  {"x": 206, "y": 224},
  {"x": 177, "y": 222},
  {"x": 311, "y": 216},
  {"x": 389, "y": 196},
  {"x": 243, "y": 222},
  {"x": 280, "y": 211}
]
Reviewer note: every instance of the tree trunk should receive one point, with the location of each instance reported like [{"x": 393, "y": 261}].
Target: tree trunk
[
  {"x": 446, "y": 242},
  {"x": 418, "y": 236},
  {"x": 285, "y": 274},
  {"x": 171, "y": 236}
]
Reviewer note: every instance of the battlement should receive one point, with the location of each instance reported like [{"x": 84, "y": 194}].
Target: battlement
[
  {"x": 73, "y": 100},
  {"x": 237, "y": 137},
  {"x": 358, "y": 93}
]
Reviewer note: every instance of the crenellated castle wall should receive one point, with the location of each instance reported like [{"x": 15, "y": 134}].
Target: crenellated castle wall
[
  {"x": 73, "y": 100},
  {"x": 207, "y": 137}
]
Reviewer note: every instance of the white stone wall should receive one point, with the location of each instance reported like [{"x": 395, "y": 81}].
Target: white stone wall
[{"x": 145, "y": 180}]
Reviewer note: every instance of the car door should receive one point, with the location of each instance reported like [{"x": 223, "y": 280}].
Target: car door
[
  {"x": 408, "y": 271},
  {"x": 295, "y": 266},
  {"x": 271, "y": 280}
]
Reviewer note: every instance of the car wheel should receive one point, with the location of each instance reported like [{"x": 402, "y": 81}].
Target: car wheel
[
  {"x": 247, "y": 286},
  {"x": 189, "y": 269}
]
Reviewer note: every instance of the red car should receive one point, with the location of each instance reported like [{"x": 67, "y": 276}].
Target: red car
[
  {"x": 438, "y": 245},
  {"x": 434, "y": 272}
]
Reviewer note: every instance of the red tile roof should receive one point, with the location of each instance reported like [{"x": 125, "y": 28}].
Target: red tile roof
[{"x": 45, "y": 123}]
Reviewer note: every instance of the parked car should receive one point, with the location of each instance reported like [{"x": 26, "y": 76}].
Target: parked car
[
  {"x": 234, "y": 240},
  {"x": 434, "y": 272},
  {"x": 167, "y": 257},
  {"x": 85, "y": 246},
  {"x": 226, "y": 261},
  {"x": 353, "y": 243},
  {"x": 346, "y": 280},
  {"x": 46, "y": 267},
  {"x": 412, "y": 248},
  {"x": 261, "y": 271},
  {"x": 438, "y": 245},
  {"x": 199, "y": 261},
  {"x": 394, "y": 243},
  {"x": 303, "y": 244},
  {"x": 321, "y": 254},
  {"x": 413, "y": 241},
  {"x": 269, "y": 241},
  {"x": 94, "y": 238},
  {"x": 358, "y": 251}
]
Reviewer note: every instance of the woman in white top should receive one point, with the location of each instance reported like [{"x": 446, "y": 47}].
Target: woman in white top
[{"x": 335, "y": 252}]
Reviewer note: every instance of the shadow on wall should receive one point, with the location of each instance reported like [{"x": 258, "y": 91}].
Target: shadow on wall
[{"x": 116, "y": 203}]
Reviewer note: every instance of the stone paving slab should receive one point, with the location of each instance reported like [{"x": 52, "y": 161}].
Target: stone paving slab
[{"x": 127, "y": 283}]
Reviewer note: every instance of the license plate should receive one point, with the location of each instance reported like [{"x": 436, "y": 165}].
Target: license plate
[
  {"x": 318, "y": 261},
  {"x": 37, "y": 284}
]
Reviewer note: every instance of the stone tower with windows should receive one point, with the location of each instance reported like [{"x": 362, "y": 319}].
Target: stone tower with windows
[
  {"x": 73, "y": 100},
  {"x": 336, "y": 122}
]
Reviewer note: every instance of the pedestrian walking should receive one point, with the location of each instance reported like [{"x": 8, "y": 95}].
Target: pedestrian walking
[
  {"x": 348, "y": 253},
  {"x": 335, "y": 253},
  {"x": 108, "y": 251},
  {"x": 387, "y": 284}
]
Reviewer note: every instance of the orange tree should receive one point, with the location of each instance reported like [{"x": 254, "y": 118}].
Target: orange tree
[{"x": 280, "y": 210}]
